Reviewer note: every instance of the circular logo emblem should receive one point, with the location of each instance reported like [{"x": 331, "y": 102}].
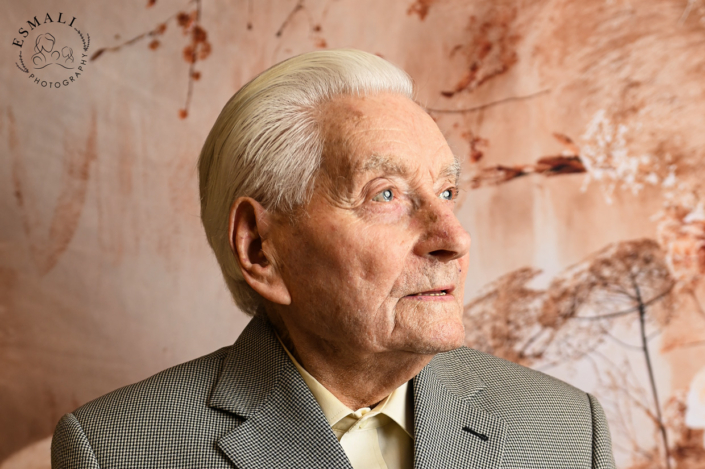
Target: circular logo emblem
[{"x": 52, "y": 51}]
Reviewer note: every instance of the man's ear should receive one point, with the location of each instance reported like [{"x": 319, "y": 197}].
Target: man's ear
[{"x": 249, "y": 228}]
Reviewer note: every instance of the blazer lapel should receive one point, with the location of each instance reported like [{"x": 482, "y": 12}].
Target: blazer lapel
[
  {"x": 283, "y": 424},
  {"x": 449, "y": 431}
]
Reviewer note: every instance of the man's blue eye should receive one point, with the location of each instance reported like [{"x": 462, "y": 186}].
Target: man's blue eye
[
  {"x": 384, "y": 196},
  {"x": 447, "y": 194}
]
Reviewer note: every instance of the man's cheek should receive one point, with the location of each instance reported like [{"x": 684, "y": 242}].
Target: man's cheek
[
  {"x": 464, "y": 263},
  {"x": 390, "y": 213}
]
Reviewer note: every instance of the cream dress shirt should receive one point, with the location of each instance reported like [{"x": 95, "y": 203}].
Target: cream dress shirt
[{"x": 378, "y": 438}]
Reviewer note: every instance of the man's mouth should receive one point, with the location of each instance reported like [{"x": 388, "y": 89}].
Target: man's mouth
[{"x": 442, "y": 291}]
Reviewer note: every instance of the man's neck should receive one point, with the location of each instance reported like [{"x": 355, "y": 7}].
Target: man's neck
[{"x": 356, "y": 379}]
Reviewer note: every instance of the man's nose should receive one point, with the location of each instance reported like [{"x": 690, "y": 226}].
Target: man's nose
[{"x": 444, "y": 237}]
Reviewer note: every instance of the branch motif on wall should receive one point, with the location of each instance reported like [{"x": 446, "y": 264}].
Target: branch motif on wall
[{"x": 198, "y": 47}]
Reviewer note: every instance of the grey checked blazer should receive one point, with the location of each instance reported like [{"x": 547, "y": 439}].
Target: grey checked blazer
[{"x": 246, "y": 406}]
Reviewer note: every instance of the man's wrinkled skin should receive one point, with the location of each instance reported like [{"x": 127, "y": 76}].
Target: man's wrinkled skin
[{"x": 339, "y": 281}]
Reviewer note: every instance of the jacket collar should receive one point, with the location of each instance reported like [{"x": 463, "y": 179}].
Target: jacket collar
[
  {"x": 252, "y": 369},
  {"x": 285, "y": 427}
]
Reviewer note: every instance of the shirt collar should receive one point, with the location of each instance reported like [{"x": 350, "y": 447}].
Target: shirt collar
[{"x": 398, "y": 406}]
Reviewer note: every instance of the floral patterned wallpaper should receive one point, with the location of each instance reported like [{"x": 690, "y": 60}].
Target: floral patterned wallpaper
[{"x": 579, "y": 128}]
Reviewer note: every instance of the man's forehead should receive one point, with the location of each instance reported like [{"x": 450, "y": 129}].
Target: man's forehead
[
  {"x": 355, "y": 116},
  {"x": 383, "y": 134}
]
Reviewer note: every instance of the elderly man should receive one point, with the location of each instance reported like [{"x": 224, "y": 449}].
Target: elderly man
[{"x": 327, "y": 196}]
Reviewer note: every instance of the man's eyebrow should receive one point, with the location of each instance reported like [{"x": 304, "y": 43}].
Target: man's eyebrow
[
  {"x": 382, "y": 162},
  {"x": 451, "y": 171},
  {"x": 386, "y": 164}
]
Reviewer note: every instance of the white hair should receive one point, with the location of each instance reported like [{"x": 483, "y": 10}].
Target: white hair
[{"x": 267, "y": 143}]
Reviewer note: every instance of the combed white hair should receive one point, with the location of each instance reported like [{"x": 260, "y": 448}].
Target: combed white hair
[{"x": 267, "y": 144}]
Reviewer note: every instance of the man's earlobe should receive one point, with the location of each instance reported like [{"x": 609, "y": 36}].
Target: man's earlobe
[{"x": 249, "y": 229}]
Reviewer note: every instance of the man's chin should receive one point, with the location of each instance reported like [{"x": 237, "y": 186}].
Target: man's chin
[
  {"x": 438, "y": 340},
  {"x": 434, "y": 348}
]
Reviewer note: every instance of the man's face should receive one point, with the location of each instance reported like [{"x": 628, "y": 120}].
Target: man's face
[{"x": 377, "y": 260}]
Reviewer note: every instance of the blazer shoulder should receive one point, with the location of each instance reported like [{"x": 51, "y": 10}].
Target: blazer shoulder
[
  {"x": 513, "y": 391},
  {"x": 189, "y": 382},
  {"x": 162, "y": 421},
  {"x": 497, "y": 372},
  {"x": 70, "y": 448}
]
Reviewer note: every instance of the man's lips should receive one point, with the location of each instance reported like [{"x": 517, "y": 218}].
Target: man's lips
[{"x": 440, "y": 293}]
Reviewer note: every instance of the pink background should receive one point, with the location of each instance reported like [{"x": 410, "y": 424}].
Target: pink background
[{"x": 105, "y": 273}]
